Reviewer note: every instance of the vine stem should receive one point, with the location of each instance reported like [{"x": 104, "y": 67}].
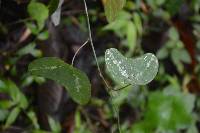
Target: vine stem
[
  {"x": 92, "y": 45},
  {"x": 98, "y": 67},
  {"x": 79, "y": 50}
]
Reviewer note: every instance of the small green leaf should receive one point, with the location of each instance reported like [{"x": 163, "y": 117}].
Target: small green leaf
[
  {"x": 43, "y": 36},
  {"x": 17, "y": 96},
  {"x": 138, "y": 23},
  {"x": 29, "y": 49},
  {"x": 12, "y": 116},
  {"x": 173, "y": 6},
  {"x": 74, "y": 80},
  {"x": 131, "y": 36},
  {"x": 162, "y": 53},
  {"x": 139, "y": 71},
  {"x": 38, "y": 12},
  {"x": 33, "y": 118},
  {"x": 112, "y": 8}
]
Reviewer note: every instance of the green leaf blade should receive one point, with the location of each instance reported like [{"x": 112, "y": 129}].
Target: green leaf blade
[
  {"x": 139, "y": 71},
  {"x": 38, "y": 12},
  {"x": 112, "y": 8},
  {"x": 74, "y": 80}
]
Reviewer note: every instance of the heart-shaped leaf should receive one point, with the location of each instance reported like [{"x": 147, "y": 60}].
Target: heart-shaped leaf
[
  {"x": 112, "y": 8},
  {"x": 74, "y": 80},
  {"x": 139, "y": 71}
]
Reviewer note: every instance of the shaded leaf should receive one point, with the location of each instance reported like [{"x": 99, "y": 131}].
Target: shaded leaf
[
  {"x": 74, "y": 80},
  {"x": 124, "y": 70},
  {"x": 173, "y": 6},
  {"x": 53, "y": 5},
  {"x": 162, "y": 53},
  {"x": 29, "y": 49},
  {"x": 3, "y": 114}
]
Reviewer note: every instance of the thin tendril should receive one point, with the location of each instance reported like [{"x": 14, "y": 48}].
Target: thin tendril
[
  {"x": 94, "y": 53},
  {"x": 118, "y": 89},
  {"x": 92, "y": 45},
  {"x": 79, "y": 50},
  {"x": 98, "y": 67}
]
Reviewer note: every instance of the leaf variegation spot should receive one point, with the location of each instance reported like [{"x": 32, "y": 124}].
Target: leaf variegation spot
[
  {"x": 139, "y": 71},
  {"x": 112, "y": 8},
  {"x": 74, "y": 80}
]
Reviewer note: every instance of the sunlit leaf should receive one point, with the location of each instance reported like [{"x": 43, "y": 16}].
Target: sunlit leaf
[
  {"x": 74, "y": 80},
  {"x": 131, "y": 36},
  {"x": 138, "y": 23},
  {"x": 38, "y": 12},
  {"x": 112, "y": 8}
]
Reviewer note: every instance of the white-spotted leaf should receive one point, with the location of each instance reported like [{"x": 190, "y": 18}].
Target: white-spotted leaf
[
  {"x": 74, "y": 80},
  {"x": 112, "y": 8},
  {"x": 139, "y": 71}
]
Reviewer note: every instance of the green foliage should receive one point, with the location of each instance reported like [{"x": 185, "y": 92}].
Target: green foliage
[
  {"x": 54, "y": 125},
  {"x": 131, "y": 35},
  {"x": 167, "y": 111},
  {"x": 155, "y": 3},
  {"x": 174, "y": 49},
  {"x": 29, "y": 49},
  {"x": 164, "y": 110},
  {"x": 139, "y": 71},
  {"x": 80, "y": 126},
  {"x": 43, "y": 35},
  {"x": 32, "y": 116},
  {"x": 16, "y": 104},
  {"x": 38, "y": 12},
  {"x": 112, "y": 8},
  {"x": 129, "y": 28},
  {"x": 74, "y": 80},
  {"x": 12, "y": 116},
  {"x": 53, "y": 5},
  {"x": 173, "y": 6}
]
